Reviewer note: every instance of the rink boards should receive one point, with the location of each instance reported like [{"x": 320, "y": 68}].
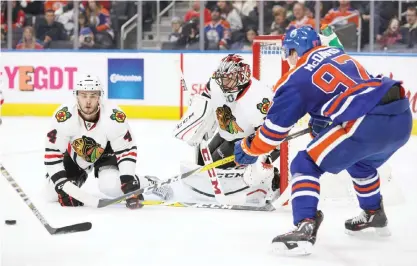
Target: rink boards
[{"x": 145, "y": 84}]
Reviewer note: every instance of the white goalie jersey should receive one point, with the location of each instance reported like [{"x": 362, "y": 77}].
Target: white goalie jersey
[
  {"x": 86, "y": 141},
  {"x": 233, "y": 118}
]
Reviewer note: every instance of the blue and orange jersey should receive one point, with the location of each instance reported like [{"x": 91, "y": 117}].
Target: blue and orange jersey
[
  {"x": 326, "y": 83},
  {"x": 102, "y": 21},
  {"x": 217, "y": 32},
  {"x": 336, "y": 13}
]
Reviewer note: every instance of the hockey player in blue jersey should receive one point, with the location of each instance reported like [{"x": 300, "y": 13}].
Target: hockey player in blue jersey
[{"x": 358, "y": 121}]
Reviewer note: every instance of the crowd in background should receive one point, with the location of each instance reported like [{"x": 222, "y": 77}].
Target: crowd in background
[{"x": 228, "y": 25}]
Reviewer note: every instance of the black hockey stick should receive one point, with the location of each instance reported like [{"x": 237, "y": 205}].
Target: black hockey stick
[
  {"x": 266, "y": 208},
  {"x": 106, "y": 202},
  {"x": 53, "y": 231}
]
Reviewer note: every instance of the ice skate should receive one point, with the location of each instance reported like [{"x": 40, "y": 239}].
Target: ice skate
[
  {"x": 301, "y": 240},
  {"x": 371, "y": 219}
]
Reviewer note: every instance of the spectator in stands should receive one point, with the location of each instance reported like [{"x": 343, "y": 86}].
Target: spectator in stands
[
  {"x": 280, "y": 24},
  {"x": 392, "y": 35},
  {"x": 230, "y": 14},
  {"x": 246, "y": 43},
  {"x": 244, "y": 7},
  {"x": 288, "y": 6},
  {"x": 176, "y": 24},
  {"x": 194, "y": 12},
  {"x": 86, "y": 38},
  {"x": 47, "y": 29},
  {"x": 64, "y": 13},
  {"x": 18, "y": 17},
  {"x": 32, "y": 7},
  {"x": 83, "y": 23},
  {"x": 217, "y": 31},
  {"x": 301, "y": 19},
  {"x": 29, "y": 41},
  {"x": 253, "y": 18},
  {"x": 409, "y": 30},
  {"x": 189, "y": 35},
  {"x": 99, "y": 17},
  {"x": 106, "y": 4},
  {"x": 336, "y": 15},
  {"x": 55, "y": 5}
]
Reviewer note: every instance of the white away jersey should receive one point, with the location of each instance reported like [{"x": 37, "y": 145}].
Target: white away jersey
[
  {"x": 239, "y": 117},
  {"x": 86, "y": 141}
]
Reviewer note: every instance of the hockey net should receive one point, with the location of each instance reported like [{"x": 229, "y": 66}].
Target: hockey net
[{"x": 268, "y": 67}]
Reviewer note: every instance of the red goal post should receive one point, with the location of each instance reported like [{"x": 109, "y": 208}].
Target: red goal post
[{"x": 268, "y": 67}]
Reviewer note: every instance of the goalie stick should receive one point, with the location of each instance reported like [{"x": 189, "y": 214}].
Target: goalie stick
[
  {"x": 266, "y": 208},
  {"x": 53, "y": 231},
  {"x": 91, "y": 201}
]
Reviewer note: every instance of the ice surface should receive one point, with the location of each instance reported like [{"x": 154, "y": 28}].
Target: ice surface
[{"x": 179, "y": 236}]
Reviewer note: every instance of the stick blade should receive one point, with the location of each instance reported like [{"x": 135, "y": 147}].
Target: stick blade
[{"x": 75, "y": 228}]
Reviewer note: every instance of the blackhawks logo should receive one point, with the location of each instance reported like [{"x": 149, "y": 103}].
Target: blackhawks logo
[
  {"x": 118, "y": 116},
  {"x": 63, "y": 115},
  {"x": 226, "y": 120},
  {"x": 263, "y": 106},
  {"x": 87, "y": 148}
]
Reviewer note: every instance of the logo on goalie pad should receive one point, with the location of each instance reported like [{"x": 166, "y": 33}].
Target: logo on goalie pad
[
  {"x": 63, "y": 115},
  {"x": 230, "y": 175},
  {"x": 263, "y": 106}
]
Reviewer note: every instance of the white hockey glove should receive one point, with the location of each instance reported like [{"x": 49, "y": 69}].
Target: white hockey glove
[{"x": 197, "y": 122}]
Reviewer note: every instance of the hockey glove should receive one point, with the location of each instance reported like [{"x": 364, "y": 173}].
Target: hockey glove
[
  {"x": 317, "y": 124},
  {"x": 63, "y": 198},
  {"x": 134, "y": 201},
  {"x": 241, "y": 157}
]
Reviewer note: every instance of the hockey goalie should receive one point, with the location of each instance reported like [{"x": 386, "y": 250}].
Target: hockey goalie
[{"x": 232, "y": 107}]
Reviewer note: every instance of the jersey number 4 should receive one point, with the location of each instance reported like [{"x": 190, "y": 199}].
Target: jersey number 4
[
  {"x": 328, "y": 77},
  {"x": 52, "y": 136},
  {"x": 127, "y": 136}
]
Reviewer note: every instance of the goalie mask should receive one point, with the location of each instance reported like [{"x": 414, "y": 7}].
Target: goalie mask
[{"x": 232, "y": 74}]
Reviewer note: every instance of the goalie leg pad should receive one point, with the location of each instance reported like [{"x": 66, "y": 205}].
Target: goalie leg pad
[{"x": 231, "y": 180}]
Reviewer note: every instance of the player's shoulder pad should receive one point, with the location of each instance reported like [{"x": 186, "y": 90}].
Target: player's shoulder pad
[
  {"x": 65, "y": 113},
  {"x": 113, "y": 114},
  {"x": 259, "y": 97}
]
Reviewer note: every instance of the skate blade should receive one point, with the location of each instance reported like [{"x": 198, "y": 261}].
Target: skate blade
[
  {"x": 304, "y": 248},
  {"x": 371, "y": 231}
]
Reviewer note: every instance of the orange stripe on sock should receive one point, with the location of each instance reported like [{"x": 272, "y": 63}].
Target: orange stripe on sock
[
  {"x": 306, "y": 185},
  {"x": 367, "y": 189}
]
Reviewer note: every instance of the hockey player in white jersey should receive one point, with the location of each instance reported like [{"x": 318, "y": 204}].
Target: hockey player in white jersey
[
  {"x": 87, "y": 135},
  {"x": 234, "y": 104}
]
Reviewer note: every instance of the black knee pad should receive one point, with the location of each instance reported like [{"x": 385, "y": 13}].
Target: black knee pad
[{"x": 73, "y": 171}]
